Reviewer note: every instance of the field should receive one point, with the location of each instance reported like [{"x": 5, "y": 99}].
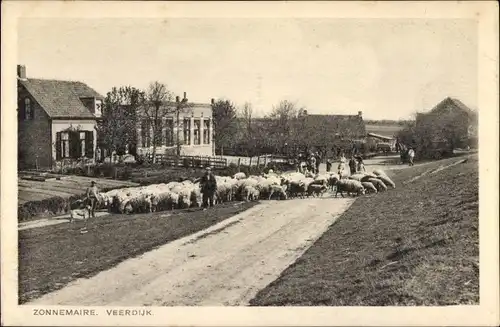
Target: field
[
  {"x": 385, "y": 130},
  {"x": 51, "y": 257},
  {"x": 416, "y": 246},
  {"x": 67, "y": 186}
]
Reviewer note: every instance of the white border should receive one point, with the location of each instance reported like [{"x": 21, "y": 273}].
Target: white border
[{"x": 486, "y": 13}]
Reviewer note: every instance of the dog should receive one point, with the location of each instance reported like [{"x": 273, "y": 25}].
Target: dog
[{"x": 80, "y": 208}]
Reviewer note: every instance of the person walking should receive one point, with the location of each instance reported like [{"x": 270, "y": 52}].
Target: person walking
[
  {"x": 312, "y": 163},
  {"x": 318, "y": 162},
  {"x": 411, "y": 155},
  {"x": 328, "y": 165},
  {"x": 361, "y": 165},
  {"x": 208, "y": 185},
  {"x": 341, "y": 167},
  {"x": 352, "y": 165},
  {"x": 92, "y": 198}
]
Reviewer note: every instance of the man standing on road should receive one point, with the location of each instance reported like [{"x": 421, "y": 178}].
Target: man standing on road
[
  {"x": 411, "y": 154},
  {"x": 92, "y": 193},
  {"x": 352, "y": 165},
  {"x": 208, "y": 185}
]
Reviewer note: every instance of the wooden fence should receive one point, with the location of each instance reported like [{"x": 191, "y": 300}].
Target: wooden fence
[{"x": 189, "y": 161}]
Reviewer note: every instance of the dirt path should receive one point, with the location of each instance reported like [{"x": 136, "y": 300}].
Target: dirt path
[{"x": 226, "y": 264}]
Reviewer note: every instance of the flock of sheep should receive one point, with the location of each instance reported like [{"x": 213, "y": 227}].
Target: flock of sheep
[{"x": 186, "y": 194}]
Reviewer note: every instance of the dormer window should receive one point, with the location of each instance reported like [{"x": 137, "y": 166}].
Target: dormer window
[
  {"x": 28, "y": 109},
  {"x": 98, "y": 108}
]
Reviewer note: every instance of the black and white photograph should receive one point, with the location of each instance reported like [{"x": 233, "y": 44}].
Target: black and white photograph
[{"x": 201, "y": 159}]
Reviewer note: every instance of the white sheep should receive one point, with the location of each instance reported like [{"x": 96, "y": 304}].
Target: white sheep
[
  {"x": 378, "y": 184},
  {"x": 316, "y": 189},
  {"x": 251, "y": 193},
  {"x": 240, "y": 175},
  {"x": 387, "y": 180},
  {"x": 349, "y": 186},
  {"x": 277, "y": 189},
  {"x": 369, "y": 187}
]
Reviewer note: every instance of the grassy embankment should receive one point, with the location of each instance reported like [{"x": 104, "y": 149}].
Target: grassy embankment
[{"x": 415, "y": 245}]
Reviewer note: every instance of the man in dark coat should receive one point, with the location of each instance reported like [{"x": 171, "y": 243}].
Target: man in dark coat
[
  {"x": 352, "y": 165},
  {"x": 208, "y": 185}
]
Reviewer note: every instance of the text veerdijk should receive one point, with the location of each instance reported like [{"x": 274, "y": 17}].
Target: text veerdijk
[{"x": 126, "y": 312}]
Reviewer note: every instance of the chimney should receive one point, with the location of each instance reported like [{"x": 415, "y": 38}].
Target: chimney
[
  {"x": 212, "y": 101},
  {"x": 21, "y": 72},
  {"x": 360, "y": 113},
  {"x": 184, "y": 95},
  {"x": 177, "y": 98}
]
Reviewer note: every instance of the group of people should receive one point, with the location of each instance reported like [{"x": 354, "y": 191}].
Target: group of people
[
  {"x": 355, "y": 164},
  {"x": 309, "y": 164}
]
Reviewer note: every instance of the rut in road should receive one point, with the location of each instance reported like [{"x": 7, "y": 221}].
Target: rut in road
[{"x": 226, "y": 264}]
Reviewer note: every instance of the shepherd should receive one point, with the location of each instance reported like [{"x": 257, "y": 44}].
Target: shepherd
[
  {"x": 92, "y": 198},
  {"x": 208, "y": 185}
]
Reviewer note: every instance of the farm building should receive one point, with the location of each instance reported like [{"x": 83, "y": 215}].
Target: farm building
[
  {"x": 56, "y": 120},
  {"x": 332, "y": 132},
  {"x": 450, "y": 123},
  {"x": 192, "y": 129},
  {"x": 380, "y": 142}
]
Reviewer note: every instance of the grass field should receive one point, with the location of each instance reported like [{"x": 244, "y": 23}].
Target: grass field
[
  {"x": 415, "y": 245},
  {"x": 29, "y": 190},
  {"x": 52, "y": 256}
]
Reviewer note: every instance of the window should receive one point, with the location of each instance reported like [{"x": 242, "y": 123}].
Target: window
[
  {"x": 28, "y": 109},
  {"x": 74, "y": 144},
  {"x": 65, "y": 145},
  {"x": 145, "y": 133},
  {"x": 98, "y": 108},
  {"x": 169, "y": 132},
  {"x": 206, "y": 131},
  {"x": 82, "y": 144},
  {"x": 187, "y": 131},
  {"x": 197, "y": 130},
  {"x": 158, "y": 132}
]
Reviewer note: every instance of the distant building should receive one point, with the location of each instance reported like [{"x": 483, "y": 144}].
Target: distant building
[
  {"x": 450, "y": 123},
  {"x": 56, "y": 120},
  {"x": 195, "y": 131},
  {"x": 333, "y": 132}
]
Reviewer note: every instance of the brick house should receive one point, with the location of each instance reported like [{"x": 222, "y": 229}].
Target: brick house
[
  {"x": 56, "y": 121},
  {"x": 195, "y": 127},
  {"x": 449, "y": 124}
]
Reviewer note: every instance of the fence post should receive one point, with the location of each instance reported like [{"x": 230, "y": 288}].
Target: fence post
[
  {"x": 265, "y": 161},
  {"x": 239, "y": 164},
  {"x": 250, "y": 163},
  {"x": 258, "y": 162}
]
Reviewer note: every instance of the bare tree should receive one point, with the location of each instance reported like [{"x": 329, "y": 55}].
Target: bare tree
[
  {"x": 156, "y": 109},
  {"x": 283, "y": 127},
  {"x": 246, "y": 127}
]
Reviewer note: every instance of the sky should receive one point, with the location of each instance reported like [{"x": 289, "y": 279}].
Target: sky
[{"x": 386, "y": 68}]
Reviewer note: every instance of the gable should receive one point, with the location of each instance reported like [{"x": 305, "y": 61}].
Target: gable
[{"x": 61, "y": 99}]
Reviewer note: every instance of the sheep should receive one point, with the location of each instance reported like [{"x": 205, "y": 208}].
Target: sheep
[
  {"x": 320, "y": 180},
  {"x": 378, "y": 184},
  {"x": 316, "y": 189},
  {"x": 387, "y": 180},
  {"x": 164, "y": 200},
  {"x": 333, "y": 178},
  {"x": 239, "y": 176},
  {"x": 141, "y": 203},
  {"x": 277, "y": 189},
  {"x": 378, "y": 172},
  {"x": 356, "y": 177},
  {"x": 349, "y": 186},
  {"x": 369, "y": 187},
  {"x": 251, "y": 193}
]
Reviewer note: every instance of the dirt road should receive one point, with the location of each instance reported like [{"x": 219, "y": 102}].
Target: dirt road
[{"x": 224, "y": 265}]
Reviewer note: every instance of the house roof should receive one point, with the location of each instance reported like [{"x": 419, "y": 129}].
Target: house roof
[
  {"x": 456, "y": 103},
  {"x": 338, "y": 124},
  {"x": 61, "y": 99}
]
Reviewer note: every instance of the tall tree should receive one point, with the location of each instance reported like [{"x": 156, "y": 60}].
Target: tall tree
[
  {"x": 283, "y": 127},
  {"x": 156, "y": 108},
  {"x": 246, "y": 128},
  {"x": 116, "y": 129},
  {"x": 225, "y": 123}
]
